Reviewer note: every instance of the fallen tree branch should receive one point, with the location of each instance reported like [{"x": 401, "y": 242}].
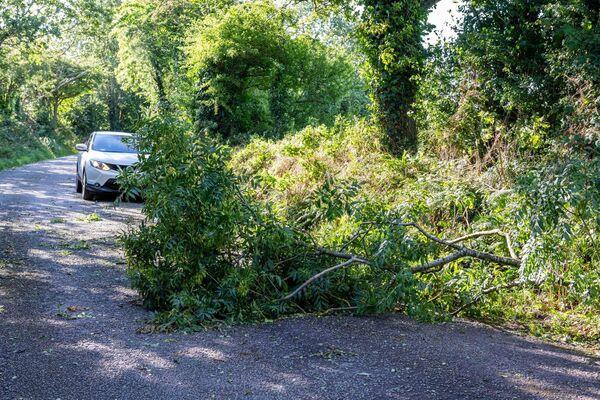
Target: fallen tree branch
[
  {"x": 347, "y": 256},
  {"x": 353, "y": 239},
  {"x": 429, "y": 267},
  {"x": 317, "y": 276},
  {"x": 482, "y": 255},
  {"x": 487, "y": 233},
  {"x": 439, "y": 262}
]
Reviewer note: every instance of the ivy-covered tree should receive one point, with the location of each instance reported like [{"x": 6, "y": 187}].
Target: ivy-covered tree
[{"x": 391, "y": 34}]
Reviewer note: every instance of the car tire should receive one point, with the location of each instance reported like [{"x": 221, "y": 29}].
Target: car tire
[
  {"x": 77, "y": 183},
  {"x": 85, "y": 193}
]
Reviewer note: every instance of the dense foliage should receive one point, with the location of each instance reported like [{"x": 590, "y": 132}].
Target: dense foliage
[
  {"x": 255, "y": 76},
  {"x": 244, "y": 231},
  {"x": 57, "y": 77},
  {"x": 522, "y": 77},
  {"x": 208, "y": 252},
  {"x": 150, "y": 36},
  {"x": 324, "y": 180},
  {"x": 317, "y": 156}
]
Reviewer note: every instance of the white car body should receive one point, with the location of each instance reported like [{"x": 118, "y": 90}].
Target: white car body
[{"x": 97, "y": 168}]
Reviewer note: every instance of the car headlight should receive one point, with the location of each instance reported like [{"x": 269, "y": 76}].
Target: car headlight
[{"x": 100, "y": 165}]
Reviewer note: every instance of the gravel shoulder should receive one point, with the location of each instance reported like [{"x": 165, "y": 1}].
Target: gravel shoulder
[{"x": 69, "y": 328}]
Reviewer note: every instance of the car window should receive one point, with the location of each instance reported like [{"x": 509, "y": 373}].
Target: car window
[{"x": 113, "y": 144}]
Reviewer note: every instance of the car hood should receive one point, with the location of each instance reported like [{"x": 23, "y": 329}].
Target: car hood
[{"x": 113, "y": 158}]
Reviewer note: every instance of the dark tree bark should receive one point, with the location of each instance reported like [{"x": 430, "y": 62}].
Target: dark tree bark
[
  {"x": 55, "y": 101},
  {"x": 160, "y": 86}
]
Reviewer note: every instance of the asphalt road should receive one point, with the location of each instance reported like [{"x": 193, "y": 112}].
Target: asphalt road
[{"x": 69, "y": 328}]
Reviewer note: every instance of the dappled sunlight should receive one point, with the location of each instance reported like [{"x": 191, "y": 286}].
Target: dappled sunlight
[
  {"x": 538, "y": 387},
  {"x": 21, "y": 274},
  {"x": 57, "y": 198},
  {"x": 56, "y": 322},
  {"x": 204, "y": 353},
  {"x": 17, "y": 321},
  {"x": 284, "y": 380},
  {"x": 121, "y": 292},
  {"x": 293, "y": 199},
  {"x": 111, "y": 358}
]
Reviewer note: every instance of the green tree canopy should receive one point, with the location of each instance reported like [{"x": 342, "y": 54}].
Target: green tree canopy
[
  {"x": 150, "y": 35},
  {"x": 255, "y": 76}
]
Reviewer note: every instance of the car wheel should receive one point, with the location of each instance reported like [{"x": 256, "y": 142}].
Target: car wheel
[
  {"x": 85, "y": 193},
  {"x": 77, "y": 183}
]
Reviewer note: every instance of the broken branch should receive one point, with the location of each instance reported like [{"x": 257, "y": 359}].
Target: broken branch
[
  {"x": 439, "y": 262},
  {"x": 487, "y": 233},
  {"x": 429, "y": 267},
  {"x": 482, "y": 255},
  {"x": 317, "y": 276}
]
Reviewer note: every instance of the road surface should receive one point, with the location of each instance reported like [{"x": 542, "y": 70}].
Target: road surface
[{"x": 69, "y": 328}]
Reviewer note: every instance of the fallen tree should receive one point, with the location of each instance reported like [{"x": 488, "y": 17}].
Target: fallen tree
[
  {"x": 214, "y": 249},
  {"x": 460, "y": 251}
]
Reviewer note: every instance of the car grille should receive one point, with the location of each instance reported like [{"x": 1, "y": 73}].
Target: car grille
[
  {"x": 116, "y": 167},
  {"x": 112, "y": 184}
]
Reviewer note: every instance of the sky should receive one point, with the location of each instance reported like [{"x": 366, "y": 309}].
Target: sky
[{"x": 442, "y": 17}]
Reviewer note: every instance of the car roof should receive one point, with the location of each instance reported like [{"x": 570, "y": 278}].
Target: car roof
[{"x": 112, "y": 133}]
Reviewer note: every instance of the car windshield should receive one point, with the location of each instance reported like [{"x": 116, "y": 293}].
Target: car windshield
[{"x": 113, "y": 144}]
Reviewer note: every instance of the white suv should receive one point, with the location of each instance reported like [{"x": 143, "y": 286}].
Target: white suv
[{"x": 100, "y": 160}]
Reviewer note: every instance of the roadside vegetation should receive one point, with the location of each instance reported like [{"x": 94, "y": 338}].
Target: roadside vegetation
[
  {"x": 19, "y": 146},
  {"x": 323, "y": 159},
  {"x": 57, "y": 78}
]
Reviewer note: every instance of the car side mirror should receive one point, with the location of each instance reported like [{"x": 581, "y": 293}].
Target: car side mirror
[{"x": 81, "y": 147}]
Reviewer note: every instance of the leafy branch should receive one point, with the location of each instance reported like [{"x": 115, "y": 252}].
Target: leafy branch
[{"x": 429, "y": 267}]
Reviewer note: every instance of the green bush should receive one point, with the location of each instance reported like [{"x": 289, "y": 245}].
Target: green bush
[
  {"x": 520, "y": 78},
  {"x": 209, "y": 252},
  {"x": 88, "y": 114}
]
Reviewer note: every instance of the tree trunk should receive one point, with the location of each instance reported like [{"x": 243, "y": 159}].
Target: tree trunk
[
  {"x": 395, "y": 53},
  {"x": 393, "y": 115},
  {"x": 55, "y": 104},
  {"x": 113, "y": 98},
  {"x": 160, "y": 87}
]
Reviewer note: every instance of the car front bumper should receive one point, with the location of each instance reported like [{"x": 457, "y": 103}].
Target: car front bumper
[
  {"x": 109, "y": 187},
  {"x": 99, "y": 181}
]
